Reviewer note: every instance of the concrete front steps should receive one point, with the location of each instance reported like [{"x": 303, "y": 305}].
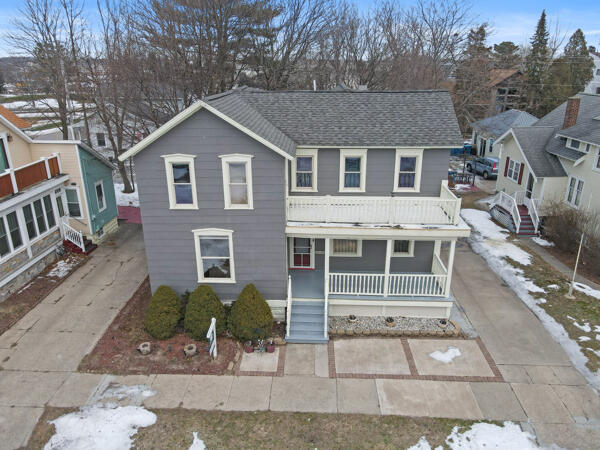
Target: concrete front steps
[{"x": 307, "y": 323}]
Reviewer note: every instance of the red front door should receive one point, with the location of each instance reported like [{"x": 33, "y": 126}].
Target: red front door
[{"x": 301, "y": 253}]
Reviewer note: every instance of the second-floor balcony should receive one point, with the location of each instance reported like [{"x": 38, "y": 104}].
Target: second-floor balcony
[
  {"x": 13, "y": 181},
  {"x": 442, "y": 210}
]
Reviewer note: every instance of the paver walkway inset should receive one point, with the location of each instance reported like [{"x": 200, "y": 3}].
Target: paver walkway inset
[{"x": 371, "y": 356}]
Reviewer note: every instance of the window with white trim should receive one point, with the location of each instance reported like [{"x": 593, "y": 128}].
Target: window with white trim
[
  {"x": 514, "y": 168},
  {"x": 578, "y": 145},
  {"x": 181, "y": 181},
  {"x": 10, "y": 234},
  {"x": 39, "y": 217},
  {"x": 29, "y": 222},
  {"x": 304, "y": 170},
  {"x": 574, "y": 191},
  {"x": 73, "y": 202},
  {"x": 597, "y": 165},
  {"x": 49, "y": 211},
  {"x": 346, "y": 247},
  {"x": 403, "y": 248},
  {"x": 99, "y": 188},
  {"x": 100, "y": 139},
  {"x": 407, "y": 174},
  {"x": 353, "y": 170},
  {"x": 214, "y": 255},
  {"x": 237, "y": 181}
]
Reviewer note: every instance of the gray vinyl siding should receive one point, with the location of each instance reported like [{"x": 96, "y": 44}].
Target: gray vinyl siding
[
  {"x": 259, "y": 244},
  {"x": 373, "y": 258},
  {"x": 380, "y": 173}
]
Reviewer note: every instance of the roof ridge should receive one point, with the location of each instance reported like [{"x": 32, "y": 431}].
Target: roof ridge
[{"x": 331, "y": 91}]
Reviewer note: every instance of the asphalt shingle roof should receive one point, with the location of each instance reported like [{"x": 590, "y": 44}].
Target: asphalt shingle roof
[
  {"x": 496, "y": 126},
  {"x": 533, "y": 141},
  {"x": 344, "y": 118}
]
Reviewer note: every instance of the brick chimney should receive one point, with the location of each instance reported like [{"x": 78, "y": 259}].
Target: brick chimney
[{"x": 571, "y": 112}]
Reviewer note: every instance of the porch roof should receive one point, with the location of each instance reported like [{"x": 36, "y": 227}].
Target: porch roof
[{"x": 378, "y": 231}]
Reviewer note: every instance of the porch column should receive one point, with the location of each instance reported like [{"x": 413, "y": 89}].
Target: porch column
[
  {"x": 327, "y": 240},
  {"x": 437, "y": 247},
  {"x": 449, "y": 268},
  {"x": 388, "y": 256}
]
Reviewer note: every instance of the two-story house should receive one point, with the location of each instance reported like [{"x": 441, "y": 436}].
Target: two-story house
[
  {"x": 330, "y": 202},
  {"x": 50, "y": 191},
  {"x": 486, "y": 131},
  {"x": 555, "y": 160}
]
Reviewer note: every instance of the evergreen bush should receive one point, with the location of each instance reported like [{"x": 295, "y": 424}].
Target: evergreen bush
[
  {"x": 163, "y": 313},
  {"x": 250, "y": 318},
  {"x": 203, "y": 304}
]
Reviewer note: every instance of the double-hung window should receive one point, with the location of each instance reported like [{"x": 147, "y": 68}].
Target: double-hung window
[
  {"x": 346, "y": 247},
  {"x": 353, "y": 170},
  {"x": 49, "y": 211},
  {"x": 403, "y": 248},
  {"x": 100, "y": 139},
  {"x": 100, "y": 196},
  {"x": 29, "y": 221},
  {"x": 10, "y": 234},
  {"x": 39, "y": 216},
  {"x": 181, "y": 181},
  {"x": 304, "y": 170},
  {"x": 514, "y": 168},
  {"x": 575, "y": 191},
  {"x": 73, "y": 202},
  {"x": 237, "y": 181},
  {"x": 214, "y": 255},
  {"x": 407, "y": 176}
]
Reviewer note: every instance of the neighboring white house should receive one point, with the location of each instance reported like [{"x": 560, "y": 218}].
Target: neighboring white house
[
  {"x": 555, "y": 160},
  {"x": 593, "y": 87},
  {"x": 486, "y": 131}
]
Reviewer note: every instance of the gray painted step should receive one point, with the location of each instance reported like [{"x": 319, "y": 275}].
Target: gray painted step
[
  {"x": 308, "y": 307},
  {"x": 307, "y": 338},
  {"x": 307, "y": 323},
  {"x": 309, "y": 318},
  {"x": 307, "y": 327}
]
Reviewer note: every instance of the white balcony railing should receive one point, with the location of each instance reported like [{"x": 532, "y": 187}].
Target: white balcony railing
[{"x": 442, "y": 210}]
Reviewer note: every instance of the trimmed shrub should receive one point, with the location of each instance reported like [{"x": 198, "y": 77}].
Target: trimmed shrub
[
  {"x": 250, "y": 318},
  {"x": 203, "y": 304},
  {"x": 163, "y": 313}
]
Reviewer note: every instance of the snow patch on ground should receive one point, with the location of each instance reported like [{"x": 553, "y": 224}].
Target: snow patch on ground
[
  {"x": 447, "y": 356},
  {"x": 198, "y": 444},
  {"x": 587, "y": 290},
  {"x": 103, "y": 425},
  {"x": 485, "y": 436},
  {"x": 463, "y": 187},
  {"x": 585, "y": 326},
  {"x": 488, "y": 244},
  {"x": 542, "y": 242},
  {"x": 126, "y": 199},
  {"x": 62, "y": 268},
  {"x": 584, "y": 338},
  {"x": 553, "y": 286}
]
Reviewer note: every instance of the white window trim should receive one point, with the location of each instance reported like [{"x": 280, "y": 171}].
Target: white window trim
[
  {"x": 358, "y": 253},
  {"x": 577, "y": 180},
  {"x": 179, "y": 158},
  {"x": 237, "y": 158},
  {"x": 570, "y": 144},
  {"x": 356, "y": 153},
  {"x": 595, "y": 167},
  {"x": 306, "y": 152},
  {"x": 517, "y": 172},
  {"x": 409, "y": 254},
  {"x": 312, "y": 254},
  {"x": 418, "y": 153},
  {"x": 11, "y": 249},
  {"x": 103, "y": 195},
  {"x": 76, "y": 189},
  {"x": 205, "y": 232}
]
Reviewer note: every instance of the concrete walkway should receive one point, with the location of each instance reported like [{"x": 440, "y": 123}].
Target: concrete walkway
[
  {"x": 556, "y": 263},
  {"x": 541, "y": 389}
]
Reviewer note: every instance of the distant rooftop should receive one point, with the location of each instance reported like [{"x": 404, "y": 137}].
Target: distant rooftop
[
  {"x": 14, "y": 119},
  {"x": 497, "y": 125}
]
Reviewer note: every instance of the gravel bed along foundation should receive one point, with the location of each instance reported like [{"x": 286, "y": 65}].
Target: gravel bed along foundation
[{"x": 403, "y": 326}]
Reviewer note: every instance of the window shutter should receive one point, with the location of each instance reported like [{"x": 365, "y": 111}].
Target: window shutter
[
  {"x": 521, "y": 173},
  {"x": 506, "y": 166}
]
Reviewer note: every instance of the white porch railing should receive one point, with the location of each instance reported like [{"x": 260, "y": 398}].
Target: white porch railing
[
  {"x": 72, "y": 235},
  {"x": 381, "y": 210},
  {"x": 418, "y": 284},
  {"x": 509, "y": 204},
  {"x": 288, "y": 319}
]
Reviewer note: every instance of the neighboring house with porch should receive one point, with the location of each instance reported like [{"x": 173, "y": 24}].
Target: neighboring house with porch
[
  {"x": 488, "y": 130},
  {"x": 330, "y": 202},
  {"x": 50, "y": 191},
  {"x": 555, "y": 160}
]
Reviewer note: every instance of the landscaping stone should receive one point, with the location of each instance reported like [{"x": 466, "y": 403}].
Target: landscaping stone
[
  {"x": 144, "y": 348},
  {"x": 407, "y": 326},
  {"x": 190, "y": 350}
]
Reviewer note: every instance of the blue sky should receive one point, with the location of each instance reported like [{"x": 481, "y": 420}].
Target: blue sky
[{"x": 513, "y": 20}]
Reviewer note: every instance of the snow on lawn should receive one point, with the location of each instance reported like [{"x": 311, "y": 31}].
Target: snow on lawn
[
  {"x": 542, "y": 242},
  {"x": 485, "y": 435},
  {"x": 489, "y": 241},
  {"x": 587, "y": 290},
  {"x": 553, "y": 286},
  {"x": 447, "y": 356},
  {"x": 103, "y": 425},
  {"x": 62, "y": 268},
  {"x": 198, "y": 444},
  {"x": 585, "y": 326},
  {"x": 126, "y": 199}
]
